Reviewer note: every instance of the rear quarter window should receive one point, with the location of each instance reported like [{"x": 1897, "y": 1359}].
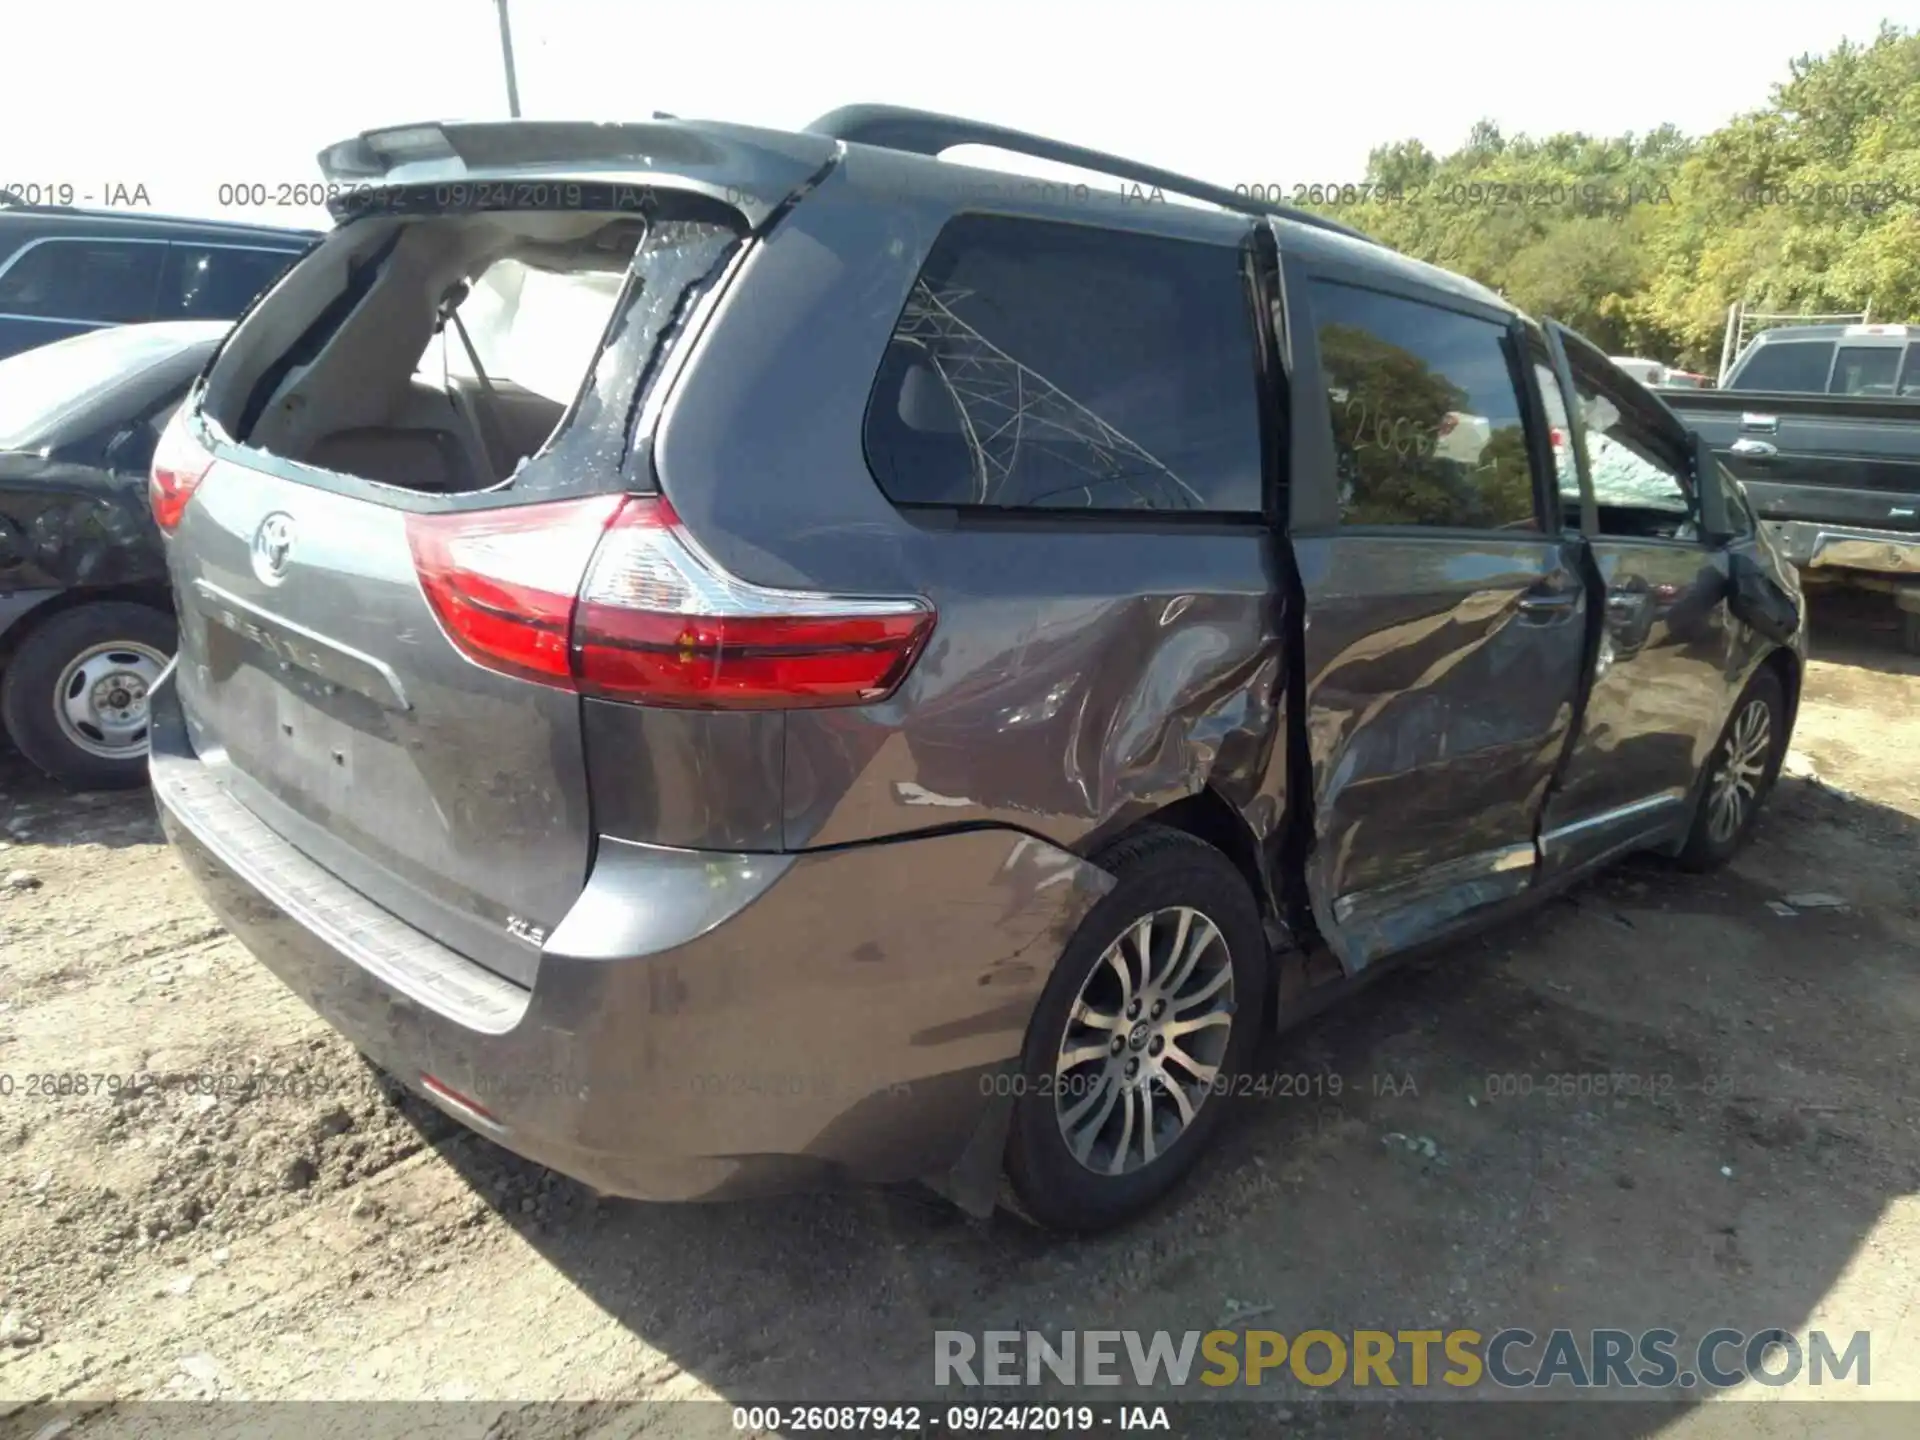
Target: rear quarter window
[
  {"x": 1865, "y": 370},
  {"x": 58, "y": 278},
  {"x": 1042, "y": 366},
  {"x": 1790, "y": 365}
]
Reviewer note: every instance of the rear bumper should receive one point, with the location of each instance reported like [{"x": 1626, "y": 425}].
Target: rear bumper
[
  {"x": 701, "y": 1025},
  {"x": 1813, "y": 545}
]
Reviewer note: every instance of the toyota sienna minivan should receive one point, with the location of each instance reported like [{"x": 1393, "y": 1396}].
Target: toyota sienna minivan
[{"x": 734, "y": 661}]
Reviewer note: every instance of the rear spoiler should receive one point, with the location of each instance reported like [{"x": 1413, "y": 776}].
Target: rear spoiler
[
  {"x": 753, "y": 170},
  {"x": 743, "y": 163}
]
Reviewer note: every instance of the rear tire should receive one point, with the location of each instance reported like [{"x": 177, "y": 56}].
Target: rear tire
[
  {"x": 1910, "y": 631},
  {"x": 1136, "y": 1060},
  {"x": 74, "y": 696},
  {"x": 1740, "y": 774}
]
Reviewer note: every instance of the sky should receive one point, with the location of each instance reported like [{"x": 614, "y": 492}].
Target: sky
[{"x": 184, "y": 98}]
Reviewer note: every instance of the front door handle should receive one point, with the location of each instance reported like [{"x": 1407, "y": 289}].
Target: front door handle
[
  {"x": 1764, "y": 424},
  {"x": 1753, "y": 449}
]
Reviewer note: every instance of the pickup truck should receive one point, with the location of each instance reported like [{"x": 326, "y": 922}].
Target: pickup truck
[{"x": 1821, "y": 424}]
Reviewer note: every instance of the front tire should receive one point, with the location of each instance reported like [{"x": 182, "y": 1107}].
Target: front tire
[
  {"x": 1740, "y": 774},
  {"x": 1132, "y": 1055},
  {"x": 74, "y": 696}
]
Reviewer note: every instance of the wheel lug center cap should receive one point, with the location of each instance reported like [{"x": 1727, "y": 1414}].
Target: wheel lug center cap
[{"x": 1137, "y": 1037}]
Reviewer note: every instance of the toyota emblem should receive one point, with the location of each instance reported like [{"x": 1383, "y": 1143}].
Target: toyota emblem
[{"x": 272, "y": 544}]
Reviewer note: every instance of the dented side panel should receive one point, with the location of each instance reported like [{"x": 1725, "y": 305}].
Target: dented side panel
[
  {"x": 1082, "y": 672},
  {"x": 1438, "y": 695},
  {"x": 73, "y": 495},
  {"x": 1436, "y": 712},
  {"x": 1107, "y": 677},
  {"x": 63, "y": 526}
]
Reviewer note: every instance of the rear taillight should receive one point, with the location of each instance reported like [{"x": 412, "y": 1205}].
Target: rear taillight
[
  {"x": 180, "y": 463},
  {"x": 613, "y": 598},
  {"x": 503, "y": 582},
  {"x": 661, "y": 623}
]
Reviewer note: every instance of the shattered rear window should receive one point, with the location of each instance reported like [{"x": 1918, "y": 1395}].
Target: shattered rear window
[
  {"x": 676, "y": 265},
  {"x": 483, "y": 353}
]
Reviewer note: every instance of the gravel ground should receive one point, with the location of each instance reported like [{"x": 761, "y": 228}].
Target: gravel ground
[{"x": 292, "y": 1228}]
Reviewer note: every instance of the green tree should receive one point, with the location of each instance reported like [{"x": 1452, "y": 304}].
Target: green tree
[{"x": 1642, "y": 241}]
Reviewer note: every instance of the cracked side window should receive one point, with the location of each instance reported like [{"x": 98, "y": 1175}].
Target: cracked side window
[
  {"x": 1046, "y": 366},
  {"x": 1639, "y": 471}
]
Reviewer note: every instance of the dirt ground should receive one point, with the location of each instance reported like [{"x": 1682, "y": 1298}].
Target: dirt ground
[{"x": 304, "y": 1233}]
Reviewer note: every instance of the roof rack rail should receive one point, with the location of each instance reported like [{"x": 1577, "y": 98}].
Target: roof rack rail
[
  {"x": 922, "y": 132},
  {"x": 14, "y": 200}
]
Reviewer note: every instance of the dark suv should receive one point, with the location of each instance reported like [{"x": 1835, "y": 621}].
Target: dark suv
[
  {"x": 64, "y": 271},
  {"x": 86, "y": 619},
  {"x": 733, "y": 660}
]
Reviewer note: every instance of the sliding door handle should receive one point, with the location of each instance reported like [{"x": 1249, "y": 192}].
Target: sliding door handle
[{"x": 1544, "y": 605}]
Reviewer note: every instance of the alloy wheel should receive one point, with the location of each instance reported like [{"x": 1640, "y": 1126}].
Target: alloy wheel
[
  {"x": 1145, "y": 1041},
  {"x": 1743, "y": 765}
]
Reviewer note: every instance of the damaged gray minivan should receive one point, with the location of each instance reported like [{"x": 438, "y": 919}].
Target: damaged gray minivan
[{"x": 734, "y": 660}]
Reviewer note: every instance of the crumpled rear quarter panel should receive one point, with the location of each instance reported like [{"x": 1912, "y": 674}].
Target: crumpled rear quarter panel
[{"x": 1082, "y": 671}]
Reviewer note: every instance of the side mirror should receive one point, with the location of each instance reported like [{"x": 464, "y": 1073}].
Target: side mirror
[
  {"x": 1757, "y": 599},
  {"x": 1716, "y": 525}
]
